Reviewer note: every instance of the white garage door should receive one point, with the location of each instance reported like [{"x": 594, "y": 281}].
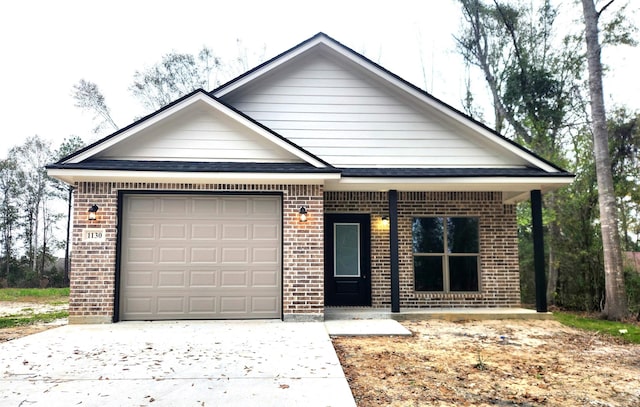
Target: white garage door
[{"x": 200, "y": 257}]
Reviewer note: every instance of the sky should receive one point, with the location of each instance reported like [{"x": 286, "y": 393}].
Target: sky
[{"x": 48, "y": 46}]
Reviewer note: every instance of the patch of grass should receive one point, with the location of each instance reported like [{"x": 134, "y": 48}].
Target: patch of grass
[
  {"x": 611, "y": 328},
  {"x": 47, "y": 295},
  {"x": 16, "y": 320}
]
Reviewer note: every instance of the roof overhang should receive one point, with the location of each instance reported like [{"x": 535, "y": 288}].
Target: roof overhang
[
  {"x": 513, "y": 189},
  {"x": 71, "y": 176}
]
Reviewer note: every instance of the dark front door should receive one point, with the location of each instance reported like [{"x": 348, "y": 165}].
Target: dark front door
[{"x": 347, "y": 259}]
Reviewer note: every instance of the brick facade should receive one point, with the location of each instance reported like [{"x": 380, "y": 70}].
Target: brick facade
[
  {"x": 93, "y": 264},
  {"x": 499, "y": 275}
]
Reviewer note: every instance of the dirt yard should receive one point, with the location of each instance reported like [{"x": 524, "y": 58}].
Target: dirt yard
[
  {"x": 484, "y": 363},
  {"x": 28, "y": 308},
  {"x": 491, "y": 363}
]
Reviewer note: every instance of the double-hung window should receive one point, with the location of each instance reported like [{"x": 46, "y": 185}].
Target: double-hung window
[{"x": 446, "y": 254}]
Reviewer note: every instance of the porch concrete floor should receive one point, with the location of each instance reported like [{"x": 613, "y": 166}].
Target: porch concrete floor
[{"x": 448, "y": 314}]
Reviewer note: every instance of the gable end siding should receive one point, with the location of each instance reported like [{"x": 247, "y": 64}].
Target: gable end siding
[{"x": 348, "y": 119}]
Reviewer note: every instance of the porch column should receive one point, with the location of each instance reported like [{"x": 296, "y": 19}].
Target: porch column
[
  {"x": 538, "y": 251},
  {"x": 393, "y": 250}
]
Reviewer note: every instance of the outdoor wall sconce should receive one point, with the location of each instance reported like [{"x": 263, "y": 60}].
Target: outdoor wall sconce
[
  {"x": 303, "y": 214},
  {"x": 385, "y": 221},
  {"x": 92, "y": 212}
]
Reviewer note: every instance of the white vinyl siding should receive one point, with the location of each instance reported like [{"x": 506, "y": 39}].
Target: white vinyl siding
[
  {"x": 199, "y": 135},
  {"x": 338, "y": 113}
]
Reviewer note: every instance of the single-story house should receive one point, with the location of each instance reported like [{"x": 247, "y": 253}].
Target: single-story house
[{"x": 316, "y": 179}]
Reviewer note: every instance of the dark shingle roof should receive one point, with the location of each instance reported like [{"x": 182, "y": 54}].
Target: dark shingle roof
[
  {"x": 253, "y": 167},
  {"x": 190, "y": 166},
  {"x": 449, "y": 172}
]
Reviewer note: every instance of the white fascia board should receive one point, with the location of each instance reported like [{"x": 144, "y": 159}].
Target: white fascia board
[
  {"x": 504, "y": 184},
  {"x": 202, "y": 98},
  {"x": 76, "y": 175}
]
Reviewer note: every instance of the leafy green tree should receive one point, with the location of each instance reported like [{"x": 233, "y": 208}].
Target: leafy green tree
[
  {"x": 531, "y": 81},
  {"x": 615, "y": 306}
]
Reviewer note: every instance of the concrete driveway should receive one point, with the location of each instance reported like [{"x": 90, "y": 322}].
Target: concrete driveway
[{"x": 208, "y": 363}]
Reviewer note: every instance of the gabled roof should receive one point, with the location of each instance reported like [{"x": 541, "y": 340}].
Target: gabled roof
[
  {"x": 273, "y": 157},
  {"x": 327, "y": 43},
  {"x": 197, "y": 96}
]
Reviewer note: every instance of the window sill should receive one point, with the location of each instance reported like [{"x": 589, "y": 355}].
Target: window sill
[{"x": 456, "y": 294}]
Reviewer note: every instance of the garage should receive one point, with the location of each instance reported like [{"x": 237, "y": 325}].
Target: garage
[{"x": 200, "y": 257}]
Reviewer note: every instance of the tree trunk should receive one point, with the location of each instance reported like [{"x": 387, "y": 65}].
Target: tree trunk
[{"x": 615, "y": 306}]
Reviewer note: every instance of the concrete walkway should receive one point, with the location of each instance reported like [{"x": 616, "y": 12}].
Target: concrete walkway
[{"x": 209, "y": 363}]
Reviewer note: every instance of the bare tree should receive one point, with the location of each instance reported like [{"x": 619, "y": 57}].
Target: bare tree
[
  {"x": 89, "y": 98},
  {"x": 615, "y": 306}
]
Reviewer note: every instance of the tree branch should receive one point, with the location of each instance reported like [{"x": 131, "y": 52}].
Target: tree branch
[{"x": 603, "y": 9}]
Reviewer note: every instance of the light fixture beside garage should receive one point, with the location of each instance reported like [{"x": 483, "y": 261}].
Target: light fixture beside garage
[
  {"x": 92, "y": 212},
  {"x": 385, "y": 221},
  {"x": 303, "y": 214}
]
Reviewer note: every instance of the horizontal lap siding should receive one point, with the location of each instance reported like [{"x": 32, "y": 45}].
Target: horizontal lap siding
[
  {"x": 348, "y": 119},
  {"x": 199, "y": 135}
]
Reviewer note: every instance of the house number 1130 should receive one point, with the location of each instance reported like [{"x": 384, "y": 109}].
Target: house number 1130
[{"x": 93, "y": 235}]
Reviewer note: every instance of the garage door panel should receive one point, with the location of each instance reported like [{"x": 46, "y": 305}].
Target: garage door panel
[
  {"x": 235, "y": 207},
  {"x": 140, "y": 279},
  {"x": 169, "y": 231},
  {"x": 227, "y": 250},
  {"x": 233, "y": 304},
  {"x": 203, "y": 279},
  {"x": 172, "y": 255},
  {"x": 264, "y": 279},
  {"x": 263, "y": 304},
  {"x": 175, "y": 278},
  {"x": 233, "y": 278},
  {"x": 146, "y": 231},
  {"x": 204, "y": 231},
  {"x": 140, "y": 255},
  {"x": 204, "y": 255},
  {"x": 204, "y": 207},
  {"x": 170, "y": 305},
  {"x": 235, "y": 255},
  {"x": 202, "y": 305},
  {"x": 174, "y": 206},
  {"x": 139, "y": 305},
  {"x": 141, "y": 206},
  {"x": 235, "y": 232},
  {"x": 265, "y": 208},
  {"x": 265, "y": 255},
  {"x": 267, "y": 231}
]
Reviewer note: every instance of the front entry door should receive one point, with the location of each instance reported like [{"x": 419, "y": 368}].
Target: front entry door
[{"x": 347, "y": 260}]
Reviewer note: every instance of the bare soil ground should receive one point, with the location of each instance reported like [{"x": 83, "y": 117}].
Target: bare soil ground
[
  {"x": 28, "y": 308},
  {"x": 491, "y": 363}
]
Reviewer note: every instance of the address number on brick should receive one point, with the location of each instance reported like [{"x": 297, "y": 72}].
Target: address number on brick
[{"x": 93, "y": 235}]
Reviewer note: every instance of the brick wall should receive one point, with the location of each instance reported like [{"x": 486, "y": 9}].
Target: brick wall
[
  {"x": 93, "y": 264},
  {"x": 499, "y": 277}
]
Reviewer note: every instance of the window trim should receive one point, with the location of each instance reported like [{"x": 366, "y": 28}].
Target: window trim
[
  {"x": 446, "y": 280},
  {"x": 335, "y": 250}
]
